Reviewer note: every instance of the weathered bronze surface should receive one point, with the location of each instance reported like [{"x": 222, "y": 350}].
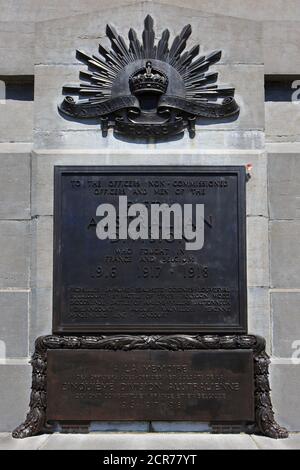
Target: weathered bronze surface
[
  {"x": 127, "y": 285},
  {"x": 149, "y": 90},
  {"x": 85, "y": 385},
  {"x": 36, "y": 419}
]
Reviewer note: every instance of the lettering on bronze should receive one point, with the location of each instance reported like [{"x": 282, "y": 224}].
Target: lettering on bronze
[
  {"x": 148, "y": 283},
  {"x": 150, "y": 385}
]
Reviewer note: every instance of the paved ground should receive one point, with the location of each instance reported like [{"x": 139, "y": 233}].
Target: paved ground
[{"x": 144, "y": 441}]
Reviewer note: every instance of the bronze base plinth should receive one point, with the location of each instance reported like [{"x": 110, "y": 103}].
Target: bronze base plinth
[{"x": 253, "y": 412}]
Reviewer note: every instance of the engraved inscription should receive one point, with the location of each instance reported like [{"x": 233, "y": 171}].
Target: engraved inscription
[
  {"x": 147, "y": 284},
  {"x": 147, "y": 385},
  {"x": 151, "y": 384},
  {"x": 142, "y": 303}
]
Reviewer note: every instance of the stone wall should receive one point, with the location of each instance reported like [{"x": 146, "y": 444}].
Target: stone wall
[{"x": 34, "y": 138}]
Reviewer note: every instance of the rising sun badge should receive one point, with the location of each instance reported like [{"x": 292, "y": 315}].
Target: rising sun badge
[{"x": 148, "y": 89}]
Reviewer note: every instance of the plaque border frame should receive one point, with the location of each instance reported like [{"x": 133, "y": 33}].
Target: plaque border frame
[
  {"x": 59, "y": 327},
  {"x": 35, "y": 421}
]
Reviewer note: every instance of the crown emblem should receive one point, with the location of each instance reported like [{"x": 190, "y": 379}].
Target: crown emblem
[{"x": 148, "y": 79}]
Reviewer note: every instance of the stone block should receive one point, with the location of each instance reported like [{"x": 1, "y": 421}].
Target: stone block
[
  {"x": 285, "y": 384},
  {"x": 257, "y": 252},
  {"x": 282, "y": 46},
  {"x": 15, "y": 185},
  {"x": 42, "y": 255},
  {"x": 31, "y": 9},
  {"x": 286, "y": 323},
  {"x": 284, "y": 185},
  {"x": 14, "y": 324},
  {"x": 16, "y": 46},
  {"x": 282, "y": 121},
  {"x": 15, "y": 387},
  {"x": 259, "y": 322},
  {"x": 85, "y": 31},
  {"x": 16, "y": 121},
  {"x": 205, "y": 139},
  {"x": 15, "y": 253},
  {"x": 40, "y": 314},
  {"x": 285, "y": 253},
  {"x": 249, "y": 9}
]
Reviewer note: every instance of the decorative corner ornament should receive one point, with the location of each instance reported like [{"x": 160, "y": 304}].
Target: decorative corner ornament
[{"x": 148, "y": 90}]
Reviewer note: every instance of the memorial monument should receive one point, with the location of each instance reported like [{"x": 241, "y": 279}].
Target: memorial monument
[{"x": 150, "y": 285}]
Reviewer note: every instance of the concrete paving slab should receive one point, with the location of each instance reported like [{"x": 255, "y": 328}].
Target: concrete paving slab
[
  {"x": 293, "y": 442},
  {"x": 141, "y": 441},
  {"x": 135, "y": 441},
  {"x": 31, "y": 443}
]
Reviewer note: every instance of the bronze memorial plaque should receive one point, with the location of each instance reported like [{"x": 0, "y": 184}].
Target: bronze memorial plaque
[
  {"x": 89, "y": 385},
  {"x": 175, "y": 282}
]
